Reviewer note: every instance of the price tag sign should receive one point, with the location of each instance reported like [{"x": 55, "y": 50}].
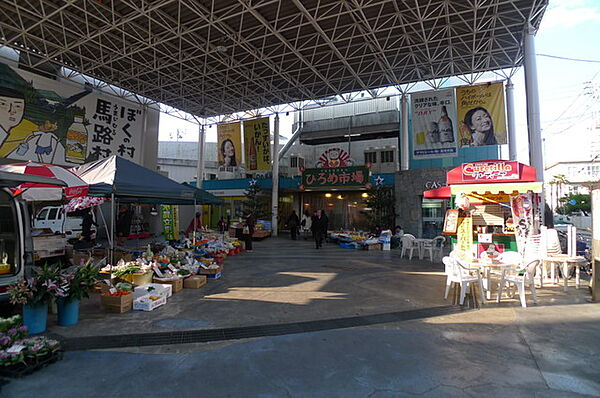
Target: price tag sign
[
  {"x": 112, "y": 290},
  {"x": 484, "y": 238},
  {"x": 15, "y": 349},
  {"x": 170, "y": 266},
  {"x": 157, "y": 271}
]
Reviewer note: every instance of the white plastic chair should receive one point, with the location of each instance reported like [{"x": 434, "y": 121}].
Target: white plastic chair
[
  {"x": 435, "y": 247},
  {"x": 409, "y": 243},
  {"x": 520, "y": 282},
  {"x": 456, "y": 273}
]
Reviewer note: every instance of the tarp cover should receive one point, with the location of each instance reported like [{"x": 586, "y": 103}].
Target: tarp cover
[
  {"x": 204, "y": 197},
  {"x": 131, "y": 182}
]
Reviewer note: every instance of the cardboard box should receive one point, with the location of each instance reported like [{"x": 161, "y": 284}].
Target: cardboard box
[
  {"x": 194, "y": 282},
  {"x": 376, "y": 246},
  {"x": 117, "y": 304},
  {"x": 161, "y": 289},
  {"x": 176, "y": 285},
  {"x": 211, "y": 271},
  {"x": 145, "y": 303}
]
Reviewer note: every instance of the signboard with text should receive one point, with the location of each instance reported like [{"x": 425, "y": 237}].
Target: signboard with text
[
  {"x": 335, "y": 177},
  {"x": 499, "y": 170}
]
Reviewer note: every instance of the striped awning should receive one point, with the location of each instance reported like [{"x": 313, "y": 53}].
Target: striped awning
[{"x": 508, "y": 188}]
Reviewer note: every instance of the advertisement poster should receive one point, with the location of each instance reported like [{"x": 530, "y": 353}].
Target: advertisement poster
[
  {"x": 229, "y": 138},
  {"x": 48, "y": 121},
  {"x": 464, "y": 237},
  {"x": 481, "y": 115},
  {"x": 257, "y": 144},
  {"x": 523, "y": 217},
  {"x": 170, "y": 220},
  {"x": 434, "y": 124}
]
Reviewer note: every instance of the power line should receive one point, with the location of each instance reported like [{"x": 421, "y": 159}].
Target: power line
[{"x": 595, "y": 61}]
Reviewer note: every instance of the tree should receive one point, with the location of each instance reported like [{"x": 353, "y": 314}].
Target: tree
[
  {"x": 559, "y": 181},
  {"x": 575, "y": 203},
  {"x": 381, "y": 202},
  {"x": 255, "y": 202}
]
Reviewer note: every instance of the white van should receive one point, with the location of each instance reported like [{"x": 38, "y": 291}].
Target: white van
[{"x": 53, "y": 218}]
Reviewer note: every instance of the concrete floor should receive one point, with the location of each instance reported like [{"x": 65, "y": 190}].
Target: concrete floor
[{"x": 546, "y": 350}]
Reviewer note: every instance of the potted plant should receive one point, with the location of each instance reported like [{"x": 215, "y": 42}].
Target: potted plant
[
  {"x": 34, "y": 294},
  {"x": 80, "y": 282}
]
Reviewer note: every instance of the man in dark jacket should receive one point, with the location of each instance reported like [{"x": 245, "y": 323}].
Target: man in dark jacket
[
  {"x": 319, "y": 228},
  {"x": 249, "y": 224},
  {"x": 292, "y": 222}
]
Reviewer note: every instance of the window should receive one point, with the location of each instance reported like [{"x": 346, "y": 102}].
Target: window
[
  {"x": 370, "y": 157},
  {"x": 293, "y": 161},
  {"x": 387, "y": 156},
  {"x": 52, "y": 215},
  {"x": 42, "y": 214}
]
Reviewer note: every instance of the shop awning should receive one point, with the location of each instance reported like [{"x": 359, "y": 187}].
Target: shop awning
[
  {"x": 507, "y": 188},
  {"x": 438, "y": 193}
]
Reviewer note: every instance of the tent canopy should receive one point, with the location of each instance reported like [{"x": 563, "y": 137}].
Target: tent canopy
[
  {"x": 203, "y": 197},
  {"x": 132, "y": 183}
]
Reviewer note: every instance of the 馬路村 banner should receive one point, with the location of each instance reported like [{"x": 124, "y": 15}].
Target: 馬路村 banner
[{"x": 352, "y": 176}]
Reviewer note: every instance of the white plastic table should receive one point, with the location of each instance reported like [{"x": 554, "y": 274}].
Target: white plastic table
[
  {"x": 486, "y": 268},
  {"x": 566, "y": 261},
  {"x": 421, "y": 242}
]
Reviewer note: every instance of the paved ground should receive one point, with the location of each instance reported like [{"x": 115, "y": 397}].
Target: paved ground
[{"x": 548, "y": 350}]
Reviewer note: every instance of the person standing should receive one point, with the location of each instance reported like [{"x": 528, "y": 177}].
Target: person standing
[
  {"x": 306, "y": 223},
  {"x": 86, "y": 225},
  {"x": 248, "y": 230},
  {"x": 319, "y": 228},
  {"x": 292, "y": 222},
  {"x": 222, "y": 225},
  {"x": 123, "y": 225},
  {"x": 195, "y": 224}
]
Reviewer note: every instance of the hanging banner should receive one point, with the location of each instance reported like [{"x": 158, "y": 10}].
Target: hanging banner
[
  {"x": 49, "y": 121},
  {"x": 464, "y": 237},
  {"x": 170, "y": 221},
  {"x": 257, "y": 144},
  {"x": 523, "y": 216},
  {"x": 434, "y": 124},
  {"x": 229, "y": 144},
  {"x": 481, "y": 115}
]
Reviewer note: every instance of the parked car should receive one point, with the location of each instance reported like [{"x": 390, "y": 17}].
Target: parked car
[
  {"x": 53, "y": 218},
  {"x": 16, "y": 247}
]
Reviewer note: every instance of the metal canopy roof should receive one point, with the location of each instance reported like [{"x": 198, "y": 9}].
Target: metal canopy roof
[{"x": 217, "y": 57}]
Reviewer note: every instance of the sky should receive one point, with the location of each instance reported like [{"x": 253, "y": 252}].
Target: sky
[{"x": 570, "y": 29}]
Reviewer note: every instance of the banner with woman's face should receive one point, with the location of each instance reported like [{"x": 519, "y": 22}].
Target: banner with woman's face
[
  {"x": 229, "y": 138},
  {"x": 481, "y": 115}
]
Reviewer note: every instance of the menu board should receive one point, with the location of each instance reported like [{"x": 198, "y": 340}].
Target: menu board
[{"x": 451, "y": 221}]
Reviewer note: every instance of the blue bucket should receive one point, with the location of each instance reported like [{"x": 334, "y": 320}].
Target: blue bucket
[
  {"x": 35, "y": 317},
  {"x": 68, "y": 312}
]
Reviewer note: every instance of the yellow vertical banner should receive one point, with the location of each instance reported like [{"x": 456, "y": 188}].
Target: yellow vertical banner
[
  {"x": 229, "y": 138},
  {"x": 170, "y": 221},
  {"x": 481, "y": 115},
  {"x": 464, "y": 237},
  {"x": 257, "y": 144}
]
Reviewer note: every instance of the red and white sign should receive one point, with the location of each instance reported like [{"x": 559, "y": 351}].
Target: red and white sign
[{"x": 490, "y": 171}]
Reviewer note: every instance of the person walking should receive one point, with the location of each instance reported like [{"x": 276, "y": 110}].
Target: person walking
[
  {"x": 292, "y": 222},
  {"x": 319, "y": 228},
  {"x": 306, "y": 224},
  {"x": 248, "y": 230}
]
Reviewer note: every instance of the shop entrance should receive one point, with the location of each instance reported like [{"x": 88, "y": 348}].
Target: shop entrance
[
  {"x": 432, "y": 211},
  {"x": 345, "y": 209}
]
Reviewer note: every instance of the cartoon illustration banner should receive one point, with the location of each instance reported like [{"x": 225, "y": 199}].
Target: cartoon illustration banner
[
  {"x": 481, "y": 115},
  {"x": 257, "y": 144},
  {"x": 229, "y": 138},
  {"x": 434, "y": 124},
  {"x": 56, "y": 122}
]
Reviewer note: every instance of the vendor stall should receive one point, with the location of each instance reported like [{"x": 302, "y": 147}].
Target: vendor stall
[{"x": 496, "y": 207}]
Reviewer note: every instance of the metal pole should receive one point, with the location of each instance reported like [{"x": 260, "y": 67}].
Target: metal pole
[
  {"x": 510, "y": 116},
  {"x": 295, "y": 135},
  {"x": 199, "y": 170},
  {"x": 404, "y": 152},
  {"x": 536, "y": 158},
  {"x": 275, "y": 191},
  {"x": 112, "y": 230}
]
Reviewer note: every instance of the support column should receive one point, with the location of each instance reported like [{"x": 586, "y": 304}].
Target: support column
[
  {"x": 536, "y": 158},
  {"x": 200, "y": 164},
  {"x": 275, "y": 190},
  {"x": 510, "y": 117},
  {"x": 404, "y": 151}
]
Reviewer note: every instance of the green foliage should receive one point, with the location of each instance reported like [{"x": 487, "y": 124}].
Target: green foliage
[
  {"x": 583, "y": 203},
  {"x": 381, "y": 202},
  {"x": 255, "y": 202}
]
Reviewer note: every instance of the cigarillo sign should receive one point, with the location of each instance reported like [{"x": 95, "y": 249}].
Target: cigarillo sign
[{"x": 490, "y": 171}]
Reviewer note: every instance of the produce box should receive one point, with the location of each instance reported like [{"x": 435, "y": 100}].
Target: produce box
[
  {"x": 376, "y": 246},
  {"x": 148, "y": 302},
  {"x": 138, "y": 279},
  {"x": 164, "y": 289},
  {"x": 117, "y": 304},
  {"x": 176, "y": 284},
  {"x": 194, "y": 282},
  {"x": 210, "y": 271}
]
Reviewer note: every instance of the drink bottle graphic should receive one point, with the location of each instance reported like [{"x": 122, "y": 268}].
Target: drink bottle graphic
[
  {"x": 253, "y": 161},
  {"x": 445, "y": 127},
  {"x": 77, "y": 141}
]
